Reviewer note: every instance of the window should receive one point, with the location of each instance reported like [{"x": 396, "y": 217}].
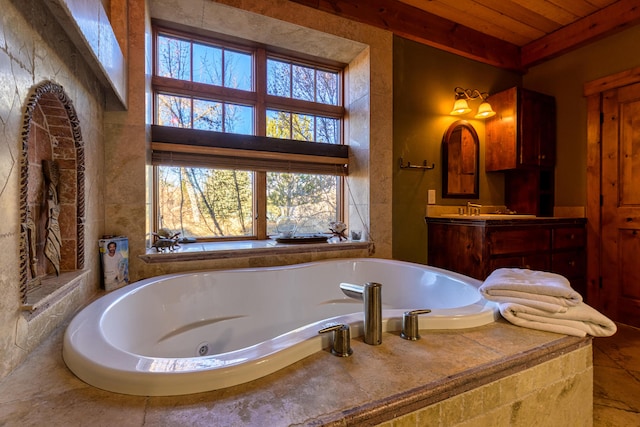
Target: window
[{"x": 243, "y": 137}]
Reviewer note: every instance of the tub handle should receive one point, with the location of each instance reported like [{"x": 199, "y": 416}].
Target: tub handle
[
  {"x": 410, "y": 324},
  {"x": 341, "y": 346}
]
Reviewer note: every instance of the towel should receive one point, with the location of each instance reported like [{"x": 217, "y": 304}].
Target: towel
[
  {"x": 578, "y": 320},
  {"x": 538, "y": 289}
]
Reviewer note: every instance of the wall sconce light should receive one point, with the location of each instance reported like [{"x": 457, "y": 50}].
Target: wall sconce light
[{"x": 461, "y": 106}]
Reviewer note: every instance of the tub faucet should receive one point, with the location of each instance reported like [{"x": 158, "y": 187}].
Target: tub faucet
[{"x": 371, "y": 294}]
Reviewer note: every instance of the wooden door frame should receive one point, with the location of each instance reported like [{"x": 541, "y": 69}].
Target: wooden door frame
[{"x": 593, "y": 92}]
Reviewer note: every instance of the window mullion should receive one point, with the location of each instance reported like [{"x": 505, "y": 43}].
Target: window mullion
[
  {"x": 260, "y": 204},
  {"x": 261, "y": 90},
  {"x": 191, "y": 60},
  {"x": 222, "y": 66},
  {"x": 304, "y": 107},
  {"x": 260, "y": 186}
]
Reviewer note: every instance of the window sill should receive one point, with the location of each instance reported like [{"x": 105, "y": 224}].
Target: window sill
[{"x": 246, "y": 248}]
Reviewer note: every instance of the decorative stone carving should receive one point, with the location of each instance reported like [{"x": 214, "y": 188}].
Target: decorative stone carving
[
  {"x": 50, "y": 101},
  {"x": 53, "y": 243},
  {"x": 29, "y": 233}
]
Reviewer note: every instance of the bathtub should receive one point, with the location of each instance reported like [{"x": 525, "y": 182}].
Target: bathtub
[{"x": 193, "y": 332}]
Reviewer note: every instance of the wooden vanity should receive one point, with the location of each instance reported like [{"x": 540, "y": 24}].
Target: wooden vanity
[{"x": 476, "y": 246}]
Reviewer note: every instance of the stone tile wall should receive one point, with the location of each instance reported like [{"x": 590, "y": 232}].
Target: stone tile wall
[
  {"x": 555, "y": 393},
  {"x": 35, "y": 49}
]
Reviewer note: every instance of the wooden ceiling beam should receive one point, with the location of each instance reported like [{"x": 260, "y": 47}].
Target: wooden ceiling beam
[
  {"x": 616, "y": 17},
  {"x": 423, "y": 27},
  {"x": 415, "y": 24}
]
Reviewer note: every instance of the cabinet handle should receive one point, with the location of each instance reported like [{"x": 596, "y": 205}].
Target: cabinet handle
[
  {"x": 542, "y": 156},
  {"x": 572, "y": 263}
]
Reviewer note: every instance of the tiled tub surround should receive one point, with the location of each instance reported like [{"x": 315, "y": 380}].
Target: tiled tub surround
[{"x": 494, "y": 375}]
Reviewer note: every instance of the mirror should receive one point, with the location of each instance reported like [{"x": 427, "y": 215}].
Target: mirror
[{"x": 460, "y": 161}]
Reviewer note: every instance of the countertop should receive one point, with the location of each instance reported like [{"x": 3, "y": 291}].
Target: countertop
[{"x": 505, "y": 219}]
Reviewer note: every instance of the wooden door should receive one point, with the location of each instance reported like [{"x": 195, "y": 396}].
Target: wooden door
[{"x": 620, "y": 204}]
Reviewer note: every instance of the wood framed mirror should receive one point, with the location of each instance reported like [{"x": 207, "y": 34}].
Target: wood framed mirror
[{"x": 460, "y": 161}]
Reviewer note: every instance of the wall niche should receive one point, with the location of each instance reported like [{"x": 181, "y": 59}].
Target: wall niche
[{"x": 51, "y": 196}]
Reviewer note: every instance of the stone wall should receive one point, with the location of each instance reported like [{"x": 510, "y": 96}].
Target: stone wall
[{"x": 33, "y": 49}]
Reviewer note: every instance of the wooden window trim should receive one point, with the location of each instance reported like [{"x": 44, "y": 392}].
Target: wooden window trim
[{"x": 200, "y": 148}]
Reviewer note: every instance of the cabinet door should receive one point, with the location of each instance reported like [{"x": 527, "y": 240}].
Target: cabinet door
[
  {"x": 457, "y": 248},
  {"x": 501, "y": 132},
  {"x": 537, "y": 129},
  {"x": 570, "y": 264}
]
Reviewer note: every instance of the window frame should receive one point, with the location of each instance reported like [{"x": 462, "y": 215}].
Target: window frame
[{"x": 261, "y": 102}]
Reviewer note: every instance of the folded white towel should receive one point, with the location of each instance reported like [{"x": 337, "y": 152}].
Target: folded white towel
[
  {"x": 539, "y": 289},
  {"x": 578, "y": 321}
]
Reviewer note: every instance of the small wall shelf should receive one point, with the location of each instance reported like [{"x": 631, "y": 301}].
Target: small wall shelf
[{"x": 424, "y": 165}]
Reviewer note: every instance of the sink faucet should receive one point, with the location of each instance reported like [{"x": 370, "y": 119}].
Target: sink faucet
[
  {"x": 371, "y": 294},
  {"x": 473, "y": 208}
]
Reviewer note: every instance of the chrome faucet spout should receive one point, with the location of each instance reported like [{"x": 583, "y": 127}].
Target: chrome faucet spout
[
  {"x": 371, "y": 294},
  {"x": 473, "y": 208},
  {"x": 352, "y": 290}
]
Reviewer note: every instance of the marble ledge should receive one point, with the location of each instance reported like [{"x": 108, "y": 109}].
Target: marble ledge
[
  {"x": 52, "y": 289},
  {"x": 247, "y": 248}
]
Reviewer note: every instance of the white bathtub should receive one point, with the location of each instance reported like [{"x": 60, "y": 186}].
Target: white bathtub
[{"x": 188, "y": 333}]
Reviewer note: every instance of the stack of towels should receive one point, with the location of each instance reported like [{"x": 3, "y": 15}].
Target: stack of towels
[{"x": 544, "y": 301}]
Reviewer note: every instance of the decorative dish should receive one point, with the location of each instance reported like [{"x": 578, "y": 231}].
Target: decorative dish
[{"x": 303, "y": 238}]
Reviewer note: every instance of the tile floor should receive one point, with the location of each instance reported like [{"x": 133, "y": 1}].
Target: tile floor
[{"x": 616, "y": 379}]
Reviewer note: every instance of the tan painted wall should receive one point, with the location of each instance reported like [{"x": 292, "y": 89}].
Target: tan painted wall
[
  {"x": 423, "y": 82},
  {"x": 424, "y": 79}
]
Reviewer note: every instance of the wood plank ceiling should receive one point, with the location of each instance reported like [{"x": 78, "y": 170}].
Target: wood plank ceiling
[{"x": 512, "y": 34}]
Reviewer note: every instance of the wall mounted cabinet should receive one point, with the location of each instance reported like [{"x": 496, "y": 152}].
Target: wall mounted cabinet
[
  {"x": 522, "y": 134},
  {"x": 521, "y": 141}
]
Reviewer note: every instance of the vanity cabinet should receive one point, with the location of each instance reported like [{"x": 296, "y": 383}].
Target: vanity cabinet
[{"x": 476, "y": 247}]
